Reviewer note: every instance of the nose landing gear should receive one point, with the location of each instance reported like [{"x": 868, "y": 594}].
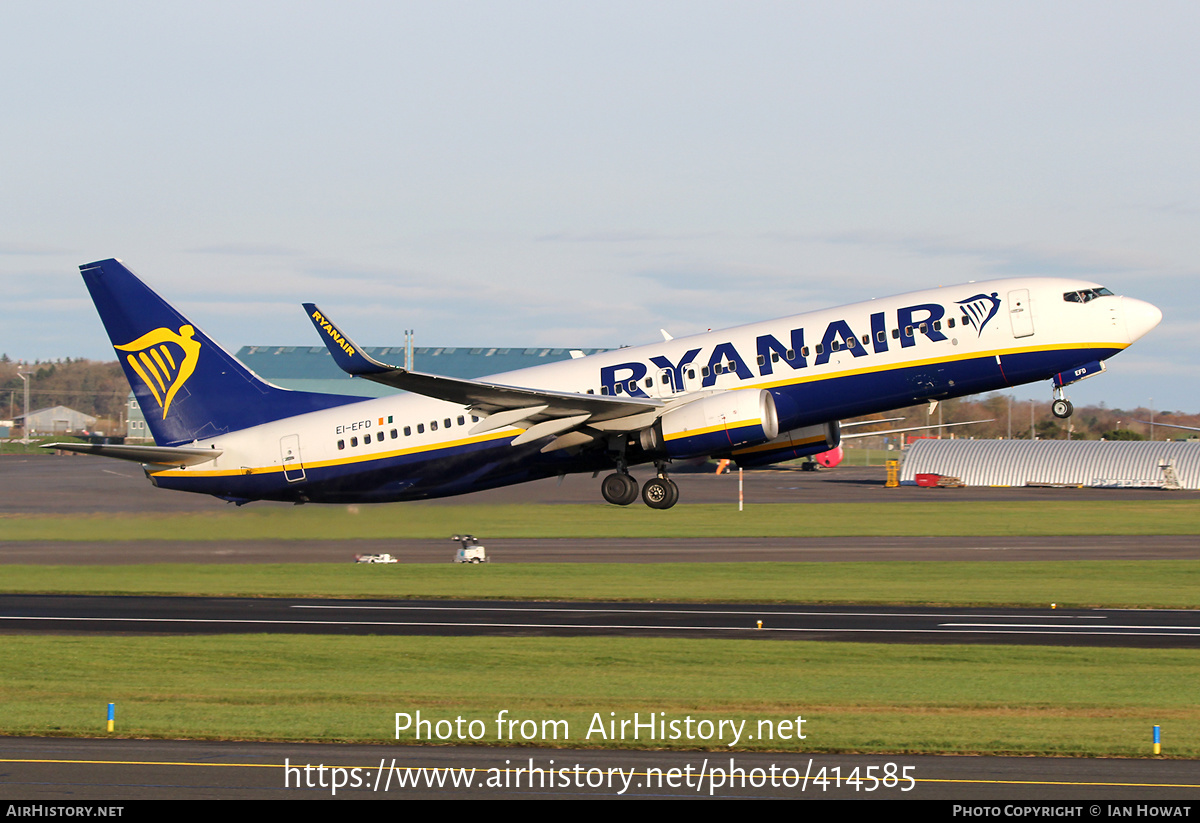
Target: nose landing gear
[{"x": 1061, "y": 407}]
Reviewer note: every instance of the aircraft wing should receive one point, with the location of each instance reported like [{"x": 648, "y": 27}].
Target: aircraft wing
[
  {"x": 553, "y": 411},
  {"x": 157, "y": 455}
]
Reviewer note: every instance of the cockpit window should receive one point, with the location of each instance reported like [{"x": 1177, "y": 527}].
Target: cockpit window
[{"x": 1086, "y": 295}]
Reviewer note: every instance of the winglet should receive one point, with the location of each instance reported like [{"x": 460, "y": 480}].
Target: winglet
[{"x": 346, "y": 353}]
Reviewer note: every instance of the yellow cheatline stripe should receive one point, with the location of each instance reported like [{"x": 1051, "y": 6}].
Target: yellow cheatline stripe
[
  {"x": 717, "y": 428},
  {"x": 143, "y": 762},
  {"x": 340, "y": 461},
  {"x": 773, "y": 445},
  {"x": 822, "y": 374}
]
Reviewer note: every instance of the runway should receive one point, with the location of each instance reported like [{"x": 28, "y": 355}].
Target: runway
[
  {"x": 74, "y": 771},
  {"x": 115, "y": 770},
  {"x": 74, "y": 614},
  {"x": 610, "y": 550}
]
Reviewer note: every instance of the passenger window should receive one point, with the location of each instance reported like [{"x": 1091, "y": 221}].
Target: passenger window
[
  {"x": 366, "y": 439},
  {"x": 762, "y": 361},
  {"x": 433, "y": 425},
  {"x": 447, "y": 422},
  {"x": 395, "y": 434},
  {"x": 420, "y": 428},
  {"x": 881, "y": 337},
  {"x": 791, "y": 354},
  {"x": 353, "y": 442},
  {"x": 820, "y": 348},
  {"x": 950, "y": 323},
  {"x": 408, "y": 431},
  {"x": 835, "y": 345},
  {"x": 462, "y": 421},
  {"x": 774, "y": 357},
  {"x": 341, "y": 445}
]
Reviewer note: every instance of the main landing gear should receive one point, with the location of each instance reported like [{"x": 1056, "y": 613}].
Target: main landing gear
[
  {"x": 619, "y": 489},
  {"x": 659, "y": 493}
]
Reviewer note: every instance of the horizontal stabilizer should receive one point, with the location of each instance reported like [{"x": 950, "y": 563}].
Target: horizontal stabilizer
[{"x": 157, "y": 455}]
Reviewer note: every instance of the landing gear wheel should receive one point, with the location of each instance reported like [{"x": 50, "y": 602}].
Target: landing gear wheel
[
  {"x": 619, "y": 489},
  {"x": 1062, "y": 409},
  {"x": 660, "y": 493}
]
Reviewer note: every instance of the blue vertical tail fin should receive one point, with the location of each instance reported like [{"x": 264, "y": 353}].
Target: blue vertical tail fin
[{"x": 188, "y": 387}]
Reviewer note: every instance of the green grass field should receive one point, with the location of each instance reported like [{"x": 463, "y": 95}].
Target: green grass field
[
  {"x": 934, "y": 518},
  {"x": 854, "y": 697}
]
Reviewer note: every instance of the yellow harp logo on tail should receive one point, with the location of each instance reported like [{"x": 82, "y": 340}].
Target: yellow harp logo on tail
[{"x": 164, "y": 360}]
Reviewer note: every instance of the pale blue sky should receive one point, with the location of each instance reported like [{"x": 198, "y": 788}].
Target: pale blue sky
[{"x": 549, "y": 173}]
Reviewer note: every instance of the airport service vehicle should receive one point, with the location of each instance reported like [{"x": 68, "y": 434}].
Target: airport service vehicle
[
  {"x": 470, "y": 550},
  {"x": 374, "y": 558},
  {"x": 756, "y": 394}
]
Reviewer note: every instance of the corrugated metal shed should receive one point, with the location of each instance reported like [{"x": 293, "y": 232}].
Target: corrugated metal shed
[
  {"x": 1053, "y": 462},
  {"x": 58, "y": 419}
]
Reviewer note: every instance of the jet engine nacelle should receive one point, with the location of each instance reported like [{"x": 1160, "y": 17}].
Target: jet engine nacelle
[
  {"x": 790, "y": 445},
  {"x": 715, "y": 424}
]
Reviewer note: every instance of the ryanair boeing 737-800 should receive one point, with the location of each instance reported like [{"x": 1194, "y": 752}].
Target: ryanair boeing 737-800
[{"x": 757, "y": 394}]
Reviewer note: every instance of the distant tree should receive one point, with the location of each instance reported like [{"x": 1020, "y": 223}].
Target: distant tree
[{"x": 1122, "y": 434}]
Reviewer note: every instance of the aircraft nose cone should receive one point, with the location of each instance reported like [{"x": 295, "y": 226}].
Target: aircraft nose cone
[{"x": 1140, "y": 317}]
